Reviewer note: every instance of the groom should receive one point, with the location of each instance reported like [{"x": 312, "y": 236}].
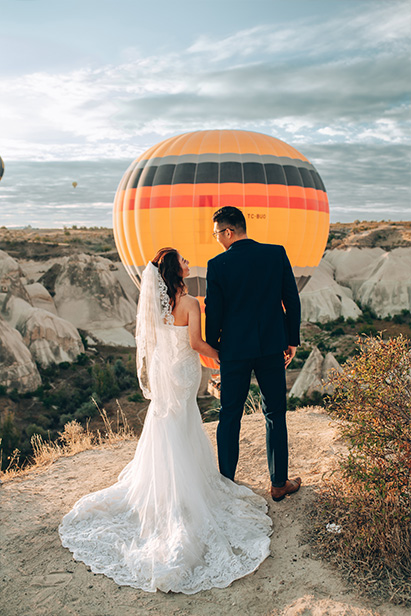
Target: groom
[{"x": 253, "y": 319}]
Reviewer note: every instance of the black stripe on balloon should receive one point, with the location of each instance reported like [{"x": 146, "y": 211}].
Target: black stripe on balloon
[{"x": 226, "y": 172}]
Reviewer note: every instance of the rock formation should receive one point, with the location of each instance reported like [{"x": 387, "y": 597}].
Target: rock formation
[
  {"x": 314, "y": 375},
  {"x": 88, "y": 294},
  {"x": 377, "y": 278},
  {"x": 323, "y": 299},
  {"x": 17, "y": 367},
  {"x": 40, "y": 297},
  {"x": 372, "y": 277},
  {"x": 49, "y": 338},
  {"x": 11, "y": 276}
]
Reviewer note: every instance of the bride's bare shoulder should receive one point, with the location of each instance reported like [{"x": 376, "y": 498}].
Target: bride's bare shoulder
[{"x": 189, "y": 301}]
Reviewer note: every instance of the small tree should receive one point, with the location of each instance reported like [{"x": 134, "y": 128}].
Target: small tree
[
  {"x": 369, "y": 506},
  {"x": 373, "y": 397}
]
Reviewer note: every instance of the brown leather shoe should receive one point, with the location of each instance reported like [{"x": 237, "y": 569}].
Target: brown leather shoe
[{"x": 291, "y": 486}]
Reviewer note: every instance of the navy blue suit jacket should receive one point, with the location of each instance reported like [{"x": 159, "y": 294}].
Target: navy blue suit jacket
[{"x": 247, "y": 286}]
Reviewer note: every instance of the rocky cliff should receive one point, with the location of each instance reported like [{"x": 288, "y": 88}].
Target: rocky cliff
[
  {"x": 87, "y": 293},
  {"x": 60, "y": 289},
  {"x": 372, "y": 277},
  {"x": 44, "y": 303},
  {"x": 17, "y": 367}
]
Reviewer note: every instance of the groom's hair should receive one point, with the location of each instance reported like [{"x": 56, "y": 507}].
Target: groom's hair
[{"x": 232, "y": 217}]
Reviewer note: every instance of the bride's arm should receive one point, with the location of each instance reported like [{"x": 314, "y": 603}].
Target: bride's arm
[{"x": 194, "y": 329}]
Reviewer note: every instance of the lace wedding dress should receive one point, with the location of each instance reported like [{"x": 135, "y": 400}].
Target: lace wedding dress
[{"x": 171, "y": 521}]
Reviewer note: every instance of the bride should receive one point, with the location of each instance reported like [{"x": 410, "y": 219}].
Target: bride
[{"x": 171, "y": 522}]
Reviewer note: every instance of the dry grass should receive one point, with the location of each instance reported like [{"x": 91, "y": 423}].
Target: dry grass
[
  {"x": 372, "y": 550},
  {"x": 72, "y": 440}
]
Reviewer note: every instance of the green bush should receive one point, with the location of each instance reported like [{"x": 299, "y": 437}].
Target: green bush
[
  {"x": 86, "y": 411},
  {"x": 338, "y": 332},
  {"x": 368, "y": 330},
  {"x": 104, "y": 381},
  {"x": 10, "y": 440},
  {"x": 371, "y": 502},
  {"x": 35, "y": 429},
  {"x": 14, "y": 395},
  {"x": 136, "y": 397},
  {"x": 315, "y": 399},
  {"x": 293, "y": 403},
  {"x": 82, "y": 359},
  {"x": 65, "y": 418}
]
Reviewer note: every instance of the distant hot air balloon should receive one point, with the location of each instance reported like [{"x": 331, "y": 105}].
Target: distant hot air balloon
[
  {"x": 168, "y": 195},
  {"x": 1, "y": 167},
  {"x": 74, "y": 184}
]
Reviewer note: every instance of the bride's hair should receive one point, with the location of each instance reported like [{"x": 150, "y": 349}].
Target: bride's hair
[{"x": 169, "y": 267}]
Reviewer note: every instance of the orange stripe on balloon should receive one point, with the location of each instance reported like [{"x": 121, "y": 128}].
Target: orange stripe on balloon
[{"x": 273, "y": 201}]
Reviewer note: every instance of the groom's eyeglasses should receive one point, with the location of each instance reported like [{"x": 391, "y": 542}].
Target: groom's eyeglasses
[{"x": 221, "y": 231}]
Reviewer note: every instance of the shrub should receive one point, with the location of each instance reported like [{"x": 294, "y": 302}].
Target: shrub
[
  {"x": 315, "y": 399},
  {"x": 84, "y": 340},
  {"x": 35, "y": 429},
  {"x": 322, "y": 346},
  {"x": 338, "y": 332},
  {"x": 86, "y": 410},
  {"x": 9, "y": 440},
  {"x": 293, "y": 403},
  {"x": 370, "y": 501},
  {"x": 104, "y": 381},
  {"x": 136, "y": 397},
  {"x": 368, "y": 330},
  {"x": 14, "y": 395},
  {"x": 64, "y": 365},
  {"x": 82, "y": 358}
]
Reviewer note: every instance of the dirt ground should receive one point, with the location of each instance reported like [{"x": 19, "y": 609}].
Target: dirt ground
[{"x": 40, "y": 577}]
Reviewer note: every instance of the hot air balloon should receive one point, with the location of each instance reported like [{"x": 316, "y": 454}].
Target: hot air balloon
[
  {"x": 74, "y": 184},
  {"x": 1, "y": 167},
  {"x": 168, "y": 195}
]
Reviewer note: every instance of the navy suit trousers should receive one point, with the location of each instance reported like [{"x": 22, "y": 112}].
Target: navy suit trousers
[{"x": 235, "y": 383}]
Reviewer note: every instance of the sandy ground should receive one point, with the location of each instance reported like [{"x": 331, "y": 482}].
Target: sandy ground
[{"x": 39, "y": 576}]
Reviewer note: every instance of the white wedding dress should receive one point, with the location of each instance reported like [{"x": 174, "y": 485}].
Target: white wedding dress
[{"x": 171, "y": 522}]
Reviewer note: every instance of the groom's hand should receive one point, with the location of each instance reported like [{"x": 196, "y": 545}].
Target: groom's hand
[{"x": 289, "y": 354}]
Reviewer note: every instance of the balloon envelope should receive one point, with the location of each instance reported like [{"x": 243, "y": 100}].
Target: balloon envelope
[
  {"x": 1, "y": 167},
  {"x": 168, "y": 195},
  {"x": 74, "y": 184}
]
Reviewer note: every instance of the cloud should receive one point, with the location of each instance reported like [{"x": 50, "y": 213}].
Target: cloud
[
  {"x": 338, "y": 81},
  {"x": 364, "y": 180}
]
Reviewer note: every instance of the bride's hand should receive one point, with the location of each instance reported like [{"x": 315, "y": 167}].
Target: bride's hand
[
  {"x": 289, "y": 354},
  {"x": 216, "y": 356}
]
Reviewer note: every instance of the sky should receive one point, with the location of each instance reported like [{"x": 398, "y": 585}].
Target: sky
[{"x": 104, "y": 80}]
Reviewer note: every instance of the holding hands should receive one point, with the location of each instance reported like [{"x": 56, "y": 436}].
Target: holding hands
[{"x": 289, "y": 354}]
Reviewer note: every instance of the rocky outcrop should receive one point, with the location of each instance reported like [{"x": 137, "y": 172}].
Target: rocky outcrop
[
  {"x": 11, "y": 276},
  {"x": 314, "y": 375},
  {"x": 323, "y": 299},
  {"x": 88, "y": 294},
  {"x": 49, "y": 338},
  {"x": 17, "y": 367},
  {"x": 40, "y": 297},
  {"x": 378, "y": 279},
  {"x": 385, "y": 236}
]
